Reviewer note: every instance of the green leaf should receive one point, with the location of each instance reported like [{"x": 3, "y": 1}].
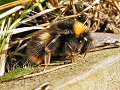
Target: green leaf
[{"x": 17, "y": 73}]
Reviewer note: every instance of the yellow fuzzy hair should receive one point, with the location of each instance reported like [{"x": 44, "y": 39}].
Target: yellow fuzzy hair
[{"x": 79, "y": 28}]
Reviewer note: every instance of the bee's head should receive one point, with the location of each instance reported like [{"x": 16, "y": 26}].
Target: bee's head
[{"x": 79, "y": 28}]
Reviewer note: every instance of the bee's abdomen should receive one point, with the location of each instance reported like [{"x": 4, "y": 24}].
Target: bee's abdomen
[{"x": 35, "y": 47}]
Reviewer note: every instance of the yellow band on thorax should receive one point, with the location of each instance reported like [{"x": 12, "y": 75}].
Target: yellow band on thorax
[{"x": 79, "y": 28}]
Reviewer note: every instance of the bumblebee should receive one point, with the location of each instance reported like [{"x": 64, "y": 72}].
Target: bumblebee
[{"x": 64, "y": 38}]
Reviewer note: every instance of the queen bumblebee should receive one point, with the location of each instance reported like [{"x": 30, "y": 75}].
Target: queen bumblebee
[{"x": 64, "y": 38}]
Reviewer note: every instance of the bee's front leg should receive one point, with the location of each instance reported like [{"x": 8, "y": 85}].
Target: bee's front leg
[
  {"x": 84, "y": 45},
  {"x": 70, "y": 52}
]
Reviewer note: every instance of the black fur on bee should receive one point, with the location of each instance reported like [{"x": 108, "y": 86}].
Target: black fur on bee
[{"x": 61, "y": 39}]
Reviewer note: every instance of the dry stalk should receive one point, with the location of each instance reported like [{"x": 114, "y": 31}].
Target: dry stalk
[
  {"x": 3, "y": 56},
  {"x": 37, "y": 15},
  {"x": 116, "y": 5},
  {"x": 45, "y": 86},
  {"x": 9, "y": 12},
  {"x": 12, "y": 4},
  {"x": 46, "y": 71},
  {"x": 19, "y": 30}
]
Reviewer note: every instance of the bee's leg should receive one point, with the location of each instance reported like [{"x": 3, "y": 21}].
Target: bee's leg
[
  {"x": 84, "y": 45},
  {"x": 51, "y": 48},
  {"x": 80, "y": 45},
  {"x": 73, "y": 58},
  {"x": 47, "y": 56},
  {"x": 70, "y": 50}
]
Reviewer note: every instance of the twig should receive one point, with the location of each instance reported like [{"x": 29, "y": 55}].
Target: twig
[
  {"x": 11, "y": 4},
  {"x": 47, "y": 71},
  {"x": 73, "y": 16},
  {"x": 94, "y": 3},
  {"x": 40, "y": 8},
  {"x": 37, "y": 15},
  {"x": 18, "y": 49},
  {"x": 117, "y": 5},
  {"x": 65, "y": 9},
  {"x": 45, "y": 86}
]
